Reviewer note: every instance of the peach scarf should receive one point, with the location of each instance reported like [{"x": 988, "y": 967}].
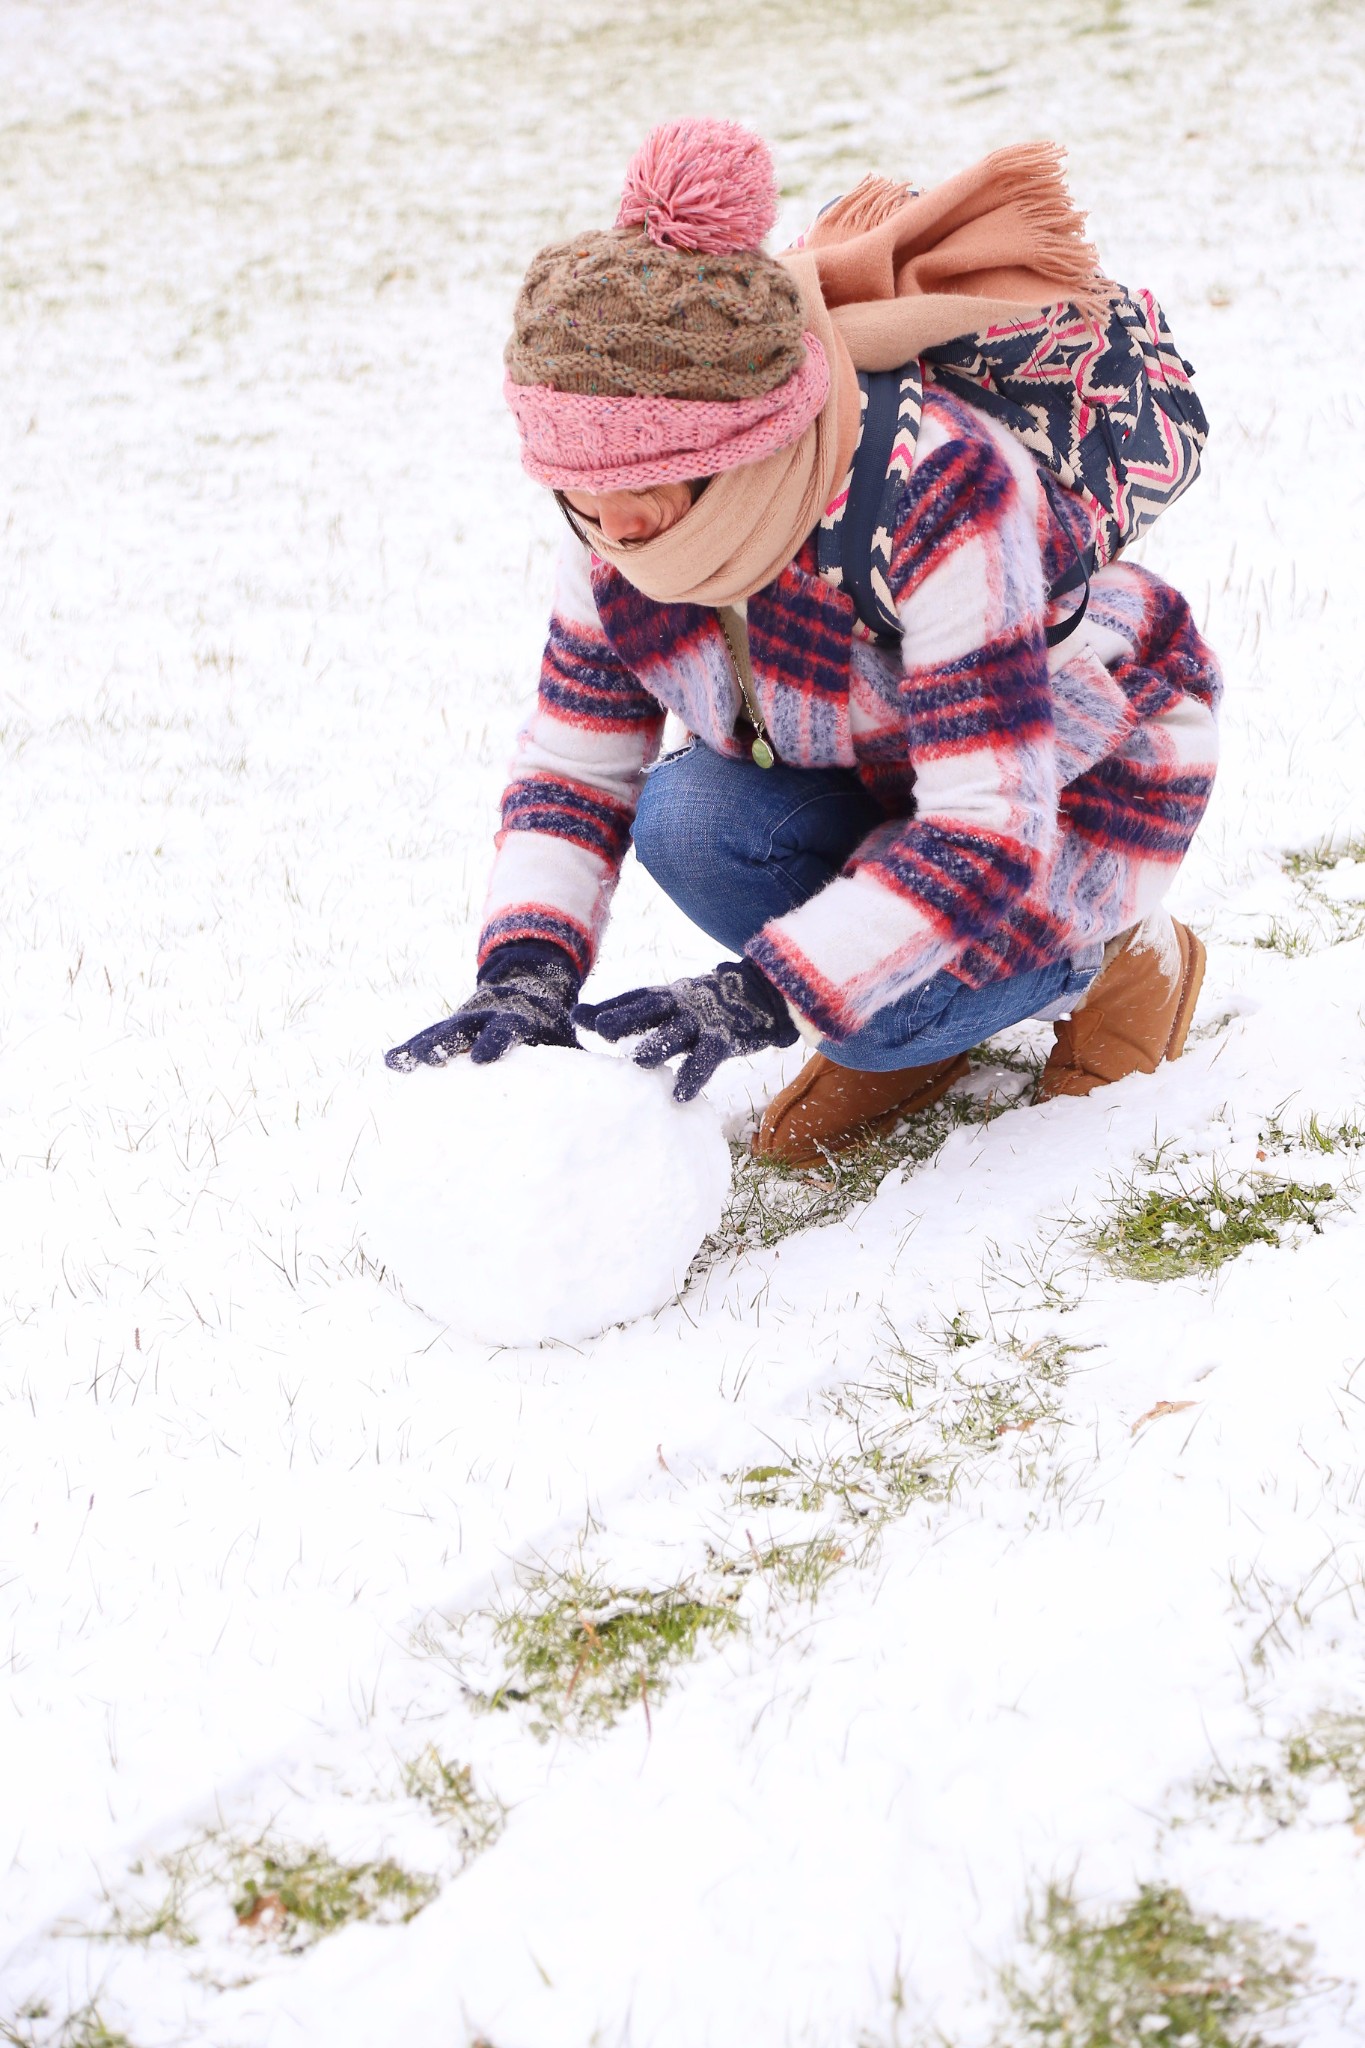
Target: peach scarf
[{"x": 884, "y": 275}]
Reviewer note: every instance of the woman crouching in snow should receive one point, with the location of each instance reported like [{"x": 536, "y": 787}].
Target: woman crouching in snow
[{"x": 908, "y": 846}]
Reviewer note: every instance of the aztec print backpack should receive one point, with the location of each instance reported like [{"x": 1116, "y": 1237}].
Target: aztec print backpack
[{"x": 1110, "y": 412}]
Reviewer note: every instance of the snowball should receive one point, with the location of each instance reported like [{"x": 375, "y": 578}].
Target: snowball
[{"x": 549, "y": 1195}]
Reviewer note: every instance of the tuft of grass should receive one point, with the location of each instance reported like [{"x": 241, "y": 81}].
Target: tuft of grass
[
  {"x": 449, "y": 1793},
  {"x": 1334, "y": 1747},
  {"x": 770, "y": 1200},
  {"x": 581, "y": 1654},
  {"x": 298, "y": 1896},
  {"x": 1163, "y": 1234},
  {"x": 869, "y": 1486},
  {"x": 1152, "y": 1970},
  {"x": 142, "y": 1915},
  {"x": 801, "y": 1570},
  {"x": 1294, "y": 941},
  {"x": 1313, "y": 1135},
  {"x": 93, "y": 2033},
  {"x": 998, "y": 1408},
  {"x": 163, "y": 1920},
  {"x": 761, "y": 1485}
]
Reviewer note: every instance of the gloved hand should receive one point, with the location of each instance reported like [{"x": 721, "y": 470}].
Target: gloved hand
[
  {"x": 525, "y": 992},
  {"x": 710, "y": 1017}
]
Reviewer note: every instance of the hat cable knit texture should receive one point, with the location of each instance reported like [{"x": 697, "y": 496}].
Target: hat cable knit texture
[{"x": 669, "y": 346}]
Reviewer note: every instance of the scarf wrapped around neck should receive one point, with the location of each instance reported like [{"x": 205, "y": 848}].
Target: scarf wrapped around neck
[{"x": 884, "y": 275}]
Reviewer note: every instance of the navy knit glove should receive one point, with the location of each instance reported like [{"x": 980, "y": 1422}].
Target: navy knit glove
[
  {"x": 525, "y": 993},
  {"x": 710, "y": 1017}
]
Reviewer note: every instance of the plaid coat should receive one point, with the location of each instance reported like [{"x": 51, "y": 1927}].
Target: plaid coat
[{"x": 1036, "y": 800}]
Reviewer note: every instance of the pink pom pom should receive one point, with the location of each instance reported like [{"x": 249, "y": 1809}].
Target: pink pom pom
[{"x": 705, "y": 185}]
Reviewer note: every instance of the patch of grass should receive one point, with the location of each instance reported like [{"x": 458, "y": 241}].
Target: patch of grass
[
  {"x": 938, "y": 1423},
  {"x": 1201, "y": 1223},
  {"x": 972, "y": 1411},
  {"x": 1323, "y": 920},
  {"x": 1331, "y": 1748},
  {"x": 581, "y": 1654},
  {"x": 1334, "y": 1747},
  {"x": 1322, "y": 858},
  {"x": 1268, "y": 1791},
  {"x": 770, "y": 1200},
  {"x": 297, "y": 1896},
  {"x": 1151, "y": 1970},
  {"x": 292, "y": 1895},
  {"x": 449, "y": 1793},
  {"x": 83, "y": 2029}
]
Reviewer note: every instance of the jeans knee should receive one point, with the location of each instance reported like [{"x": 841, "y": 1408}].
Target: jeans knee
[
  {"x": 654, "y": 829},
  {"x": 678, "y": 820}
]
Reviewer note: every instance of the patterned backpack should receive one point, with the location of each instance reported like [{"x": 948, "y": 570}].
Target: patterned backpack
[{"x": 1110, "y": 411}]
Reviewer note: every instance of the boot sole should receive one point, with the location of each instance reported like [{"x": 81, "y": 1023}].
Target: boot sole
[{"x": 1191, "y": 984}]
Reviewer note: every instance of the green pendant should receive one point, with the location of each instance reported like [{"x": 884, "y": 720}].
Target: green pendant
[{"x": 761, "y": 753}]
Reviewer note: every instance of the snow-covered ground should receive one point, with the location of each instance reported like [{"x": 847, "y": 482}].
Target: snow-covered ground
[{"x": 1049, "y": 1575}]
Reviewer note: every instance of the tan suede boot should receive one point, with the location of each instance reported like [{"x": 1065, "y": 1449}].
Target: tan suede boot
[
  {"x": 1135, "y": 1013},
  {"x": 829, "y": 1108}
]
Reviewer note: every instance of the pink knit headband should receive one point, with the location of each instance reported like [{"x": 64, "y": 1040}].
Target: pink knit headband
[{"x": 577, "y": 443}]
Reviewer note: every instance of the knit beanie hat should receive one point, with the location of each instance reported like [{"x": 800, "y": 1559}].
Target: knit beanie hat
[{"x": 670, "y": 346}]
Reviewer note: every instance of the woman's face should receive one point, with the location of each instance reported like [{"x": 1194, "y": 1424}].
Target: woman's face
[{"x": 633, "y": 515}]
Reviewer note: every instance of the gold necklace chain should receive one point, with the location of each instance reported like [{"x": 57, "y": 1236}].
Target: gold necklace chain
[{"x": 736, "y": 630}]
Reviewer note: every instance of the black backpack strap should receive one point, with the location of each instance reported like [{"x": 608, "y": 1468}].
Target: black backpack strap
[
  {"x": 1076, "y": 577},
  {"x": 866, "y": 491},
  {"x": 866, "y": 499}
]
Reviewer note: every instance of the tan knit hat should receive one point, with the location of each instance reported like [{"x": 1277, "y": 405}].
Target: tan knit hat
[
  {"x": 615, "y": 315},
  {"x": 669, "y": 346}
]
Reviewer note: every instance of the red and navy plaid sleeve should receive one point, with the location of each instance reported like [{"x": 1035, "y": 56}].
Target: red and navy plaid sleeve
[
  {"x": 576, "y": 775},
  {"x": 1135, "y": 701}
]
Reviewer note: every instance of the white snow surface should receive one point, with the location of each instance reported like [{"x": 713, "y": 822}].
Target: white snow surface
[
  {"x": 272, "y": 590},
  {"x": 543, "y": 1198}
]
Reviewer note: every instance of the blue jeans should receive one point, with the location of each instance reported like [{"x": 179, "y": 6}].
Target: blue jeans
[{"x": 735, "y": 845}]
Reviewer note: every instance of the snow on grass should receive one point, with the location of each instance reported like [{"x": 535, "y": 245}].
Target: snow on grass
[
  {"x": 1027, "y": 1557},
  {"x": 1157, "y": 1232},
  {"x": 579, "y": 1653},
  {"x": 1153, "y": 1970}
]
